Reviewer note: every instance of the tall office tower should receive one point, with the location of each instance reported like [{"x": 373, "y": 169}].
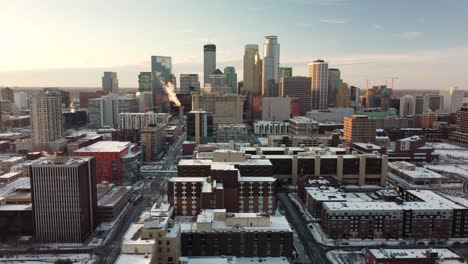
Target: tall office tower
[
  {"x": 452, "y": 99},
  {"x": 218, "y": 84},
  {"x": 46, "y": 118},
  {"x": 252, "y": 69},
  {"x": 189, "y": 82},
  {"x": 200, "y": 127},
  {"x": 152, "y": 142},
  {"x": 63, "y": 192},
  {"x": 21, "y": 100},
  {"x": 285, "y": 72},
  {"x": 209, "y": 62},
  {"x": 231, "y": 76},
  {"x": 385, "y": 94},
  {"x": 144, "y": 82},
  {"x": 318, "y": 71},
  {"x": 334, "y": 83},
  {"x": 161, "y": 72},
  {"x": 432, "y": 103},
  {"x": 7, "y": 94},
  {"x": 461, "y": 135},
  {"x": 342, "y": 98},
  {"x": 407, "y": 105},
  {"x": 419, "y": 105},
  {"x": 354, "y": 95},
  {"x": 298, "y": 87},
  {"x": 110, "y": 83},
  {"x": 359, "y": 128},
  {"x": 270, "y": 70}
]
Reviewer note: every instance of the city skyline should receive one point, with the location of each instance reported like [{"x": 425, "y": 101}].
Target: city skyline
[{"x": 359, "y": 38}]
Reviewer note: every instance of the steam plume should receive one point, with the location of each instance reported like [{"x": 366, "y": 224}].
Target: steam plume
[{"x": 170, "y": 91}]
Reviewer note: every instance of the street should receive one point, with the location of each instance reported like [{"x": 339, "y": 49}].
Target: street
[{"x": 314, "y": 250}]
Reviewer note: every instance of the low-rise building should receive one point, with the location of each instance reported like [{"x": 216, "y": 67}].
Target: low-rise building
[
  {"x": 413, "y": 256},
  {"x": 228, "y": 132},
  {"x": 270, "y": 127}
]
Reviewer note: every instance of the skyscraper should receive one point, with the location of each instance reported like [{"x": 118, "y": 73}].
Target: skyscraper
[
  {"x": 161, "y": 74},
  {"x": 298, "y": 87},
  {"x": 209, "y": 61},
  {"x": 432, "y": 103},
  {"x": 231, "y": 76},
  {"x": 285, "y": 72},
  {"x": 342, "y": 98},
  {"x": 407, "y": 105},
  {"x": 7, "y": 94},
  {"x": 110, "y": 83},
  {"x": 358, "y": 128},
  {"x": 63, "y": 192},
  {"x": 218, "y": 84},
  {"x": 46, "y": 118},
  {"x": 252, "y": 69},
  {"x": 270, "y": 71},
  {"x": 144, "y": 82},
  {"x": 318, "y": 71},
  {"x": 452, "y": 99},
  {"x": 200, "y": 127},
  {"x": 334, "y": 83},
  {"x": 188, "y": 81}
]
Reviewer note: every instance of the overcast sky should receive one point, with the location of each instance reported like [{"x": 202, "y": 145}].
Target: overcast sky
[{"x": 70, "y": 43}]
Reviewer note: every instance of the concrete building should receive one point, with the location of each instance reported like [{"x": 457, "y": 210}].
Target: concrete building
[
  {"x": 271, "y": 128},
  {"x": 237, "y": 234},
  {"x": 298, "y": 87},
  {"x": 270, "y": 69},
  {"x": 231, "y": 77},
  {"x": 46, "y": 119},
  {"x": 153, "y": 139},
  {"x": 331, "y": 114},
  {"x": 334, "y": 84},
  {"x": 218, "y": 84},
  {"x": 276, "y": 108},
  {"x": 104, "y": 111},
  {"x": 116, "y": 162},
  {"x": 209, "y": 61},
  {"x": 227, "y": 132},
  {"x": 110, "y": 83},
  {"x": 189, "y": 82},
  {"x": 21, "y": 100},
  {"x": 301, "y": 125},
  {"x": 285, "y": 72},
  {"x": 419, "y": 102},
  {"x": 145, "y": 101},
  {"x": 413, "y": 256},
  {"x": 359, "y": 128},
  {"x": 200, "y": 127},
  {"x": 452, "y": 99},
  {"x": 7, "y": 94},
  {"x": 63, "y": 191},
  {"x": 318, "y": 71},
  {"x": 342, "y": 99},
  {"x": 432, "y": 103},
  {"x": 461, "y": 135},
  {"x": 298, "y": 141},
  {"x": 132, "y": 121},
  {"x": 407, "y": 105},
  {"x": 252, "y": 69},
  {"x": 144, "y": 82},
  {"x": 226, "y": 109}
]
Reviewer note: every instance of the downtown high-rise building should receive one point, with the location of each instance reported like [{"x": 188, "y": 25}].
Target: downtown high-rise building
[
  {"x": 334, "y": 83},
  {"x": 209, "y": 61},
  {"x": 46, "y": 118},
  {"x": 318, "y": 71},
  {"x": 144, "y": 82},
  {"x": 407, "y": 105},
  {"x": 342, "y": 98},
  {"x": 200, "y": 127},
  {"x": 188, "y": 82},
  {"x": 231, "y": 77},
  {"x": 7, "y": 94},
  {"x": 64, "y": 200},
  {"x": 110, "y": 83},
  {"x": 218, "y": 84},
  {"x": 285, "y": 72},
  {"x": 452, "y": 99},
  {"x": 252, "y": 69},
  {"x": 270, "y": 70},
  {"x": 297, "y": 87},
  {"x": 432, "y": 103},
  {"x": 161, "y": 74}
]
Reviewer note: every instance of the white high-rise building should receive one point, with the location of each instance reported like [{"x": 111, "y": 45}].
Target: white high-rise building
[
  {"x": 110, "y": 83},
  {"x": 46, "y": 119},
  {"x": 318, "y": 71},
  {"x": 270, "y": 70},
  {"x": 407, "y": 105},
  {"x": 21, "y": 100},
  {"x": 453, "y": 99},
  {"x": 187, "y": 81},
  {"x": 209, "y": 62},
  {"x": 252, "y": 69}
]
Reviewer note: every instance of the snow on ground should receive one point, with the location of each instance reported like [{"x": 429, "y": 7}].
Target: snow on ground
[
  {"x": 295, "y": 199},
  {"x": 457, "y": 154},
  {"x": 461, "y": 170},
  {"x": 48, "y": 258},
  {"x": 346, "y": 257},
  {"x": 437, "y": 145}
]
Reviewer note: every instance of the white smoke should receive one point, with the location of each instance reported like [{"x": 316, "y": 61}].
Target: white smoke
[{"x": 170, "y": 91}]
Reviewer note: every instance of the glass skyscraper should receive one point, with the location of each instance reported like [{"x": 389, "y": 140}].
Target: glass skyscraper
[
  {"x": 144, "y": 82},
  {"x": 231, "y": 76}
]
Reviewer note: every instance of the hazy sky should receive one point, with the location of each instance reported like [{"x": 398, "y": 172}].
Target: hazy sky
[{"x": 70, "y": 43}]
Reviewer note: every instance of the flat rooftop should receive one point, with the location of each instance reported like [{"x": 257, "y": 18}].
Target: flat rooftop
[
  {"x": 414, "y": 171},
  {"x": 106, "y": 146},
  {"x": 233, "y": 260},
  {"x": 61, "y": 161},
  {"x": 412, "y": 253},
  {"x": 113, "y": 196},
  {"x": 133, "y": 236},
  {"x": 134, "y": 259}
]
